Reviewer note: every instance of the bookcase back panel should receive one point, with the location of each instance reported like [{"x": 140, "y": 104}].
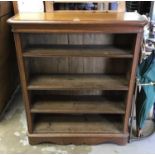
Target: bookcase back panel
[
  {"x": 121, "y": 40},
  {"x": 79, "y": 65},
  {"x": 109, "y": 95},
  {"x": 74, "y": 64},
  {"x": 67, "y": 39}
]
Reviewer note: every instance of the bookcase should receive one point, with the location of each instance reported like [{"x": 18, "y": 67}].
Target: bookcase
[{"x": 77, "y": 73}]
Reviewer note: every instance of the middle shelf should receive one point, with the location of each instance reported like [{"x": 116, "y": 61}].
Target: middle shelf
[
  {"x": 77, "y": 82},
  {"x": 77, "y": 50},
  {"x": 80, "y": 104}
]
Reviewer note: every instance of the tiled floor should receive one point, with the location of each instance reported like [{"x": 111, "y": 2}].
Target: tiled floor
[{"x": 13, "y": 138}]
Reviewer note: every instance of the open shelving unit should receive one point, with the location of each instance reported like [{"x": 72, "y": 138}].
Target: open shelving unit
[{"x": 78, "y": 85}]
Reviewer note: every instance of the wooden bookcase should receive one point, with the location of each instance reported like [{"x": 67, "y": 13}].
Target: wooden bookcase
[{"x": 77, "y": 72}]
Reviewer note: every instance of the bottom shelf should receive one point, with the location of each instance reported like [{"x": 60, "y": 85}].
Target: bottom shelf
[
  {"x": 78, "y": 129},
  {"x": 78, "y": 124}
]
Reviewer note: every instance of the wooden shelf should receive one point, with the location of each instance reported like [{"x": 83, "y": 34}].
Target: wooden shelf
[
  {"x": 86, "y": 53},
  {"x": 77, "y": 82},
  {"x": 75, "y": 124},
  {"x": 77, "y": 104},
  {"x": 77, "y": 51}
]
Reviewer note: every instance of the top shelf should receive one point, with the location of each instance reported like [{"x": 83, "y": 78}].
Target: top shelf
[
  {"x": 82, "y": 17},
  {"x": 77, "y": 51},
  {"x": 78, "y": 22}
]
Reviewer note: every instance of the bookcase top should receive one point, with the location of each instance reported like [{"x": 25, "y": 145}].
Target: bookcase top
[{"x": 79, "y": 17}]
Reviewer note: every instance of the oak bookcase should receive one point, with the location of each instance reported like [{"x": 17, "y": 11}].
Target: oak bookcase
[{"x": 77, "y": 73}]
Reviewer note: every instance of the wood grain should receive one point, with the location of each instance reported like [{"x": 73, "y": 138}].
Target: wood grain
[
  {"x": 78, "y": 124},
  {"x": 84, "y": 51},
  {"x": 78, "y": 139},
  {"x": 49, "y": 6},
  {"x": 73, "y": 82},
  {"x": 77, "y": 104},
  {"x": 80, "y": 17},
  {"x": 15, "y": 7},
  {"x": 66, "y": 71},
  {"x": 5, "y": 8},
  {"x": 23, "y": 78},
  {"x": 138, "y": 43}
]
